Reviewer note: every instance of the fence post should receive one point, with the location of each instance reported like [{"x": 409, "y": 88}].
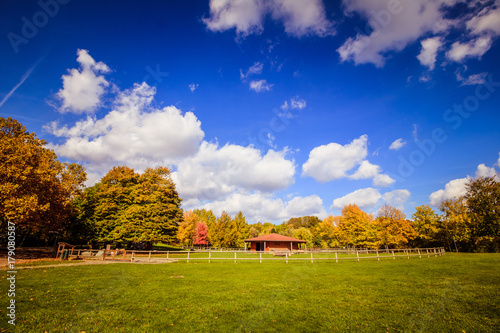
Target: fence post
[
  {"x": 286, "y": 256},
  {"x": 149, "y": 257},
  {"x": 407, "y": 254},
  {"x": 260, "y": 257},
  {"x": 209, "y": 256},
  {"x": 188, "y": 257},
  {"x": 357, "y": 255},
  {"x": 427, "y": 251},
  {"x": 235, "y": 257},
  {"x": 103, "y": 256},
  {"x": 378, "y": 258},
  {"x": 312, "y": 261},
  {"x": 419, "y": 255},
  {"x": 393, "y": 256},
  {"x": 168, "y": 254},
  {"x": 132, "y": 256},
  {"x": 336, "y": 258},
  {"x": 435, "y": 255}
]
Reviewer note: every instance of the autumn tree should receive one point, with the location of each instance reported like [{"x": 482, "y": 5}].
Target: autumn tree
[
  {"x": 355, "y": 227},
  {"x": 186, "y": 230},
  {"x": 131, "y": 207},
  {"x": 326, "y": 232},
  {"x": 455, "y": 225},
  {"x": 201, "y": 235},
  {"x": 209, "y": 218},
  {"x": 393, "y": 229},
  {"x": 483, "y": 206},
  {"x": 36, "y": 189},
  {"x": 427, "y": 225},
  {"x": 304, "y": 234}
]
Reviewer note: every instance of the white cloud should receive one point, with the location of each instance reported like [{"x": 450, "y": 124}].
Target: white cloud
[
  {"x": 265, "y": 207},
  {"x": 453, "y": 189},
  {"x": 414, "y": 133},
  {"x": 396, "y": 198},
  {"x": 215, "y": 172},
  {"x": 193, "y": 86},
  {"x": 300, "y": 18},
  {"x": 487, "y": 21},
  {"x": 366, "y": 170},
  {"x": 394, "y": 25},
  {"x": 245, "y": 16},
  {"x": 305, "y": 206},
  {"x": 472, "y": 80},
  {"x": 260, "y": 85},
  {"x": 364, "y": 198},
  {"x": 484, "y": 171},
  {"x": 134, "y": 133},
  {"x": 256, "y": 68},
  {"x": 398, "y": 144},
  {"x": 83, "y": 88},
  {"x": 382, "y": 180},
  {"x": 475, "y": 48},
  {"x": 333, "y": 161},
  {"x": 296, "y": 103},
  {"x": 430, "y": 47}
]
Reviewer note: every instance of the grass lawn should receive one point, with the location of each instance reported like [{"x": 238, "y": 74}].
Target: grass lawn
[{"x": 451, "y": 293}]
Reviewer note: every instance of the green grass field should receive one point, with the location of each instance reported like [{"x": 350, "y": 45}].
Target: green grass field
[{"x": 451, "y": 293}]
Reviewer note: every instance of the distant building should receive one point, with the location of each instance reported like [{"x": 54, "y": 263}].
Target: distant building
[{"x": 274, "y": 242}]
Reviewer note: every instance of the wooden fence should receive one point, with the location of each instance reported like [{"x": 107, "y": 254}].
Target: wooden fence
[{"x": 169, "y": 256}]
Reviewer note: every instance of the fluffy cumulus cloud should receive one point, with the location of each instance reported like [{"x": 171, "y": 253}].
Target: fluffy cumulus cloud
[
  {"x": 335, "y": 161},
  {"x": 393, "y": 25},
  {"x": 265, "y": 207},
  {"x": 456, "y": 188},
  {"x": 484, "y": 171},
  {"x": 398, "y": 144},
  {"x": 133, "y": 133},
  {"x": 396, "y": 198},
  {"x": 472, "y": 49},
  {"x": 452, "y": 190},
  {"x": 430, "y": 47},
  {"x": 83, "y": 87},
  {"x": 364, "y": 198},
  {"x": 214, "y": 172},
  {"x": 370, "y": 197},
  {"x": 300, "y": 18},
  {"x": 260, "y": 85}
]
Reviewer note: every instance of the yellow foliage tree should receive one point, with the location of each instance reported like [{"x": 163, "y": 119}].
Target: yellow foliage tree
[
  {"x": 393, "y": 229},
  {"x": 36, "y": 190}
]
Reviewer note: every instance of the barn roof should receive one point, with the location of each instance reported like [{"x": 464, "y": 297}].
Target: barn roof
[{"x": 274, "y": 238}]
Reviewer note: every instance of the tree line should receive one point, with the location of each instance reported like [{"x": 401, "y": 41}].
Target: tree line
[{"x": 44, "y": 196}]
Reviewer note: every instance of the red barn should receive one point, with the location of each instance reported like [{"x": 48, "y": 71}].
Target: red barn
[{"x": 274, "y": 242}]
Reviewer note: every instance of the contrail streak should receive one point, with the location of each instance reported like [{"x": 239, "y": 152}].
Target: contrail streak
[{"x": 25, "y": 76}]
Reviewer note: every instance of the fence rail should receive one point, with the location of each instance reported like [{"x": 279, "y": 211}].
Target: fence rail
[{"x": 301, "y": 255}]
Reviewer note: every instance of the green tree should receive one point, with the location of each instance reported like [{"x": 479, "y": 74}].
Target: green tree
[
  {"x": 36, "y": 189},
  {"x": 128, "y": 207}
]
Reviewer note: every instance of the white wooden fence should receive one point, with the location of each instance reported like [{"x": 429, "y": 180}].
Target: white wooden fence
[{"x": 162, "y": 256}]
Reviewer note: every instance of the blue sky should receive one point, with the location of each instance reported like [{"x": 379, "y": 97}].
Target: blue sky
[{"x": 277, "y": 108}]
